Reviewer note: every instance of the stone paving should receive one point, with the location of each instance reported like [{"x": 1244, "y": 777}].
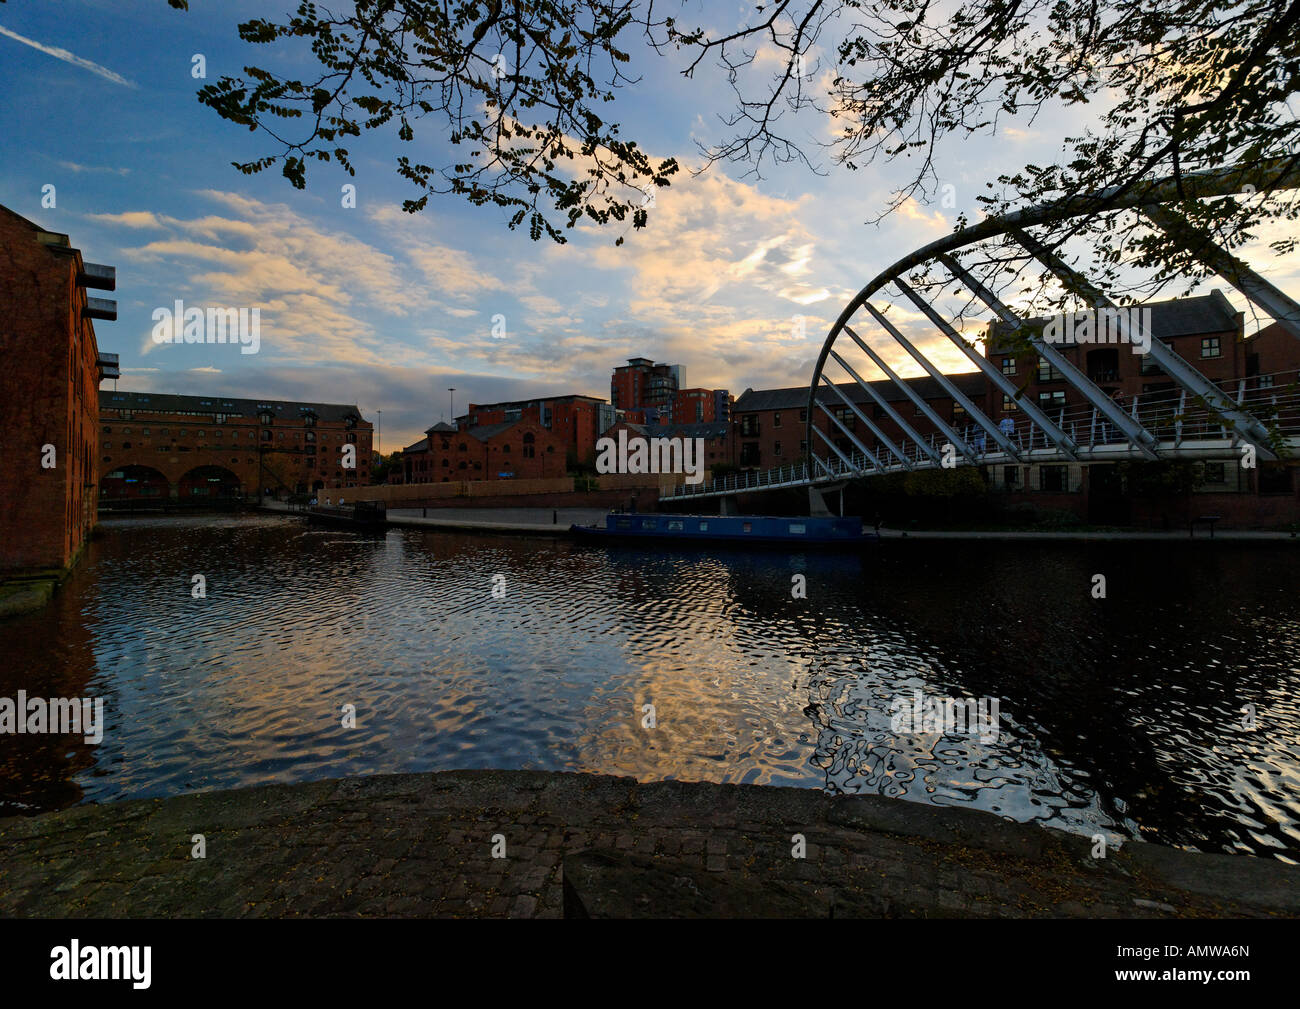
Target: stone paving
[{"x": 422, "y": 845}]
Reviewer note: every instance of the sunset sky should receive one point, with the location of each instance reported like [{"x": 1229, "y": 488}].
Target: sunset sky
[{"x": 387, "y": 310}]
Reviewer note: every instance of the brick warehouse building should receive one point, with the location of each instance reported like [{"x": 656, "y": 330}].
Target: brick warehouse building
[
  {"x": 517, "y": 449},
  {"x": 189, "y": 449},
  {"x": 48, "y": 395},
  {"x": 577, "y": 420}
]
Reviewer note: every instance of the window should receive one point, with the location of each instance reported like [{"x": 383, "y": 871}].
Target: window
[
  {"x": 1008, "y": 404},
  {"x": 749, "y": 454},
  {"x": 1009, "y": 474},
  {"x": 1047, "y": 372},
  {"x": 776, "y": 447},
  {"x": 1275, "y": 479},
  {"x": 776, "y": 419},
  {"x": 798, "y": 528},
  {"x": 1210, "y": 346},
  {"x": 803, "y": 416},
  {"x": 623, "y": 524},
  {"x": 748, "y": 527},
  {"x": 675, "y": 525},
  {"x": 749, "y": 426},
  {"x": 1008, "y": 366},
  {"x": 1215, "y": 473},
  {"x": 1051, "y": 400},
  {"x": 958, "y": 412},
  {"x": 530, "y": 450},
  {"x": 704, "y": 527},
  {"x": 1052, "y": 478},
  {"x": 1266, "y": 381}
]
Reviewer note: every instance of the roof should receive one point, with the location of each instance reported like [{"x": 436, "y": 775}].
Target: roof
[
  {"x": 154, "y": 402},
  {"x": 486, "y": 432},
  {"x": 1208, "y": 313},
  {"x": 707, "y": 430},
  {"x": 420, "y": 446},
  {"x": 971, "y": 383},
  {"x": 442, "y": 427}
]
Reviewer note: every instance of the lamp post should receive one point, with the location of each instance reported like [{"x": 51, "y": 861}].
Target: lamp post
[{"x": 452, "y": 418}]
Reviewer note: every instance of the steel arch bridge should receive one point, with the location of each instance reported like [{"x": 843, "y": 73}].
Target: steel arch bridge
[{"x": 1197, "y": 419}]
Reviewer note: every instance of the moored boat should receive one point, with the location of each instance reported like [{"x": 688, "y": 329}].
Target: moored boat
[
  {"x": 359, "y": 514},
  {"x": 766, "y": 529}
]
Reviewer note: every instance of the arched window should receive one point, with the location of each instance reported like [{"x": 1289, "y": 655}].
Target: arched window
[{"x": 530, "y": 450}]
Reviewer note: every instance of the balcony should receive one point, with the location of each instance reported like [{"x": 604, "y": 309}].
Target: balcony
[
  {"x": 100, "y": 308},
  {"x": 101, "y": 278}
]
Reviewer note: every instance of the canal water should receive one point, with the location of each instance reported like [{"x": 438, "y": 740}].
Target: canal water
[{"x": 1121, "y": 715}]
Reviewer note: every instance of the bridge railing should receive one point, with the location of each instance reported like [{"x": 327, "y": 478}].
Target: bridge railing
[{"x": 1169, "y": 415}]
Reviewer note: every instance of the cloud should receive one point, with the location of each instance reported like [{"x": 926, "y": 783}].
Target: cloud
[
  {"x": 67, "y": 57},
  {"x": 72, "y": 166}
]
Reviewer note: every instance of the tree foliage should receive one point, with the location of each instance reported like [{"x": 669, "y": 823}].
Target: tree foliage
[{"x": 1172, "y": 87}]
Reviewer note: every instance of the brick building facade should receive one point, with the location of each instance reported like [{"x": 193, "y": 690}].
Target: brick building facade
[
  {"x": 517, "y": 449},
  {"x": 48, "y": 395},
  {"x": 576, "y": 420},
  {"x": 196, "y": 448}
]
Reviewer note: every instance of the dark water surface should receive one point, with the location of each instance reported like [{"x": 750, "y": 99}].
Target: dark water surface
[{"x": 1120, "y": 715}]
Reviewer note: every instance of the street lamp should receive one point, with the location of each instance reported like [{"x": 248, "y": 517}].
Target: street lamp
[{"x": 452, "y": 418}]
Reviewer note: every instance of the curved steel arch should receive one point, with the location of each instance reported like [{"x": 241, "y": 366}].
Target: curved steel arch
[{"x": 1146, "y": 198}]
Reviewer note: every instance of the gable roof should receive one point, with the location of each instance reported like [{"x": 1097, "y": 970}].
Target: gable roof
[
  {"x": 971, "y": 383},
  {"x": 162, "y": 402}
]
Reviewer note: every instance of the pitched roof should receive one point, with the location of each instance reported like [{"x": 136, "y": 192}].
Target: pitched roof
[
  {"x": 1208, "y": 313},
  {"x": 971, "y": 383},
  {"x": 442, "y": 427},
  {"x": 706, "y": 430},
  {"x": 154, "y": 402},
  {"x": 420, "y": 446},
  {"x": 486, "y": 432}
]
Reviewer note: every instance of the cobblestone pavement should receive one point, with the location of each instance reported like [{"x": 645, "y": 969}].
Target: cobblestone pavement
[{"x": 422, "y": 845}]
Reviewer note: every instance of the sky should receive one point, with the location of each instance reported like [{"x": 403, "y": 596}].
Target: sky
[{"x": 737, "y": 278}]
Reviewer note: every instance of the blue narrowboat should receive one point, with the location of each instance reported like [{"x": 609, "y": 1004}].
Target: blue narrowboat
[{"x": 820, "y": 530}]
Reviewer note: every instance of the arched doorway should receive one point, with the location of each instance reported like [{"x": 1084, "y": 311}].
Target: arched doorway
[
  {"x": 133, "y": 486},
  {"x": 209, "y": 485}
]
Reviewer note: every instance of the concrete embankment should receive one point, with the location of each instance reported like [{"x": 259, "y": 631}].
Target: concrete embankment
[{"x": 594, "y": 845}]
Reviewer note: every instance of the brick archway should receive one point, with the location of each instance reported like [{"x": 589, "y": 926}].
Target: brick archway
[
  {"x": 209, "y": 482},
  {"x": 134, "y": 482}
]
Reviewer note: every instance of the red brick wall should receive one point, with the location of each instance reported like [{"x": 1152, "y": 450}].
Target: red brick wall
[
  {"x": 447, "y": 461},
  {"x": 175, "y": 444},
  {"x": 48, "y": 395}
]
